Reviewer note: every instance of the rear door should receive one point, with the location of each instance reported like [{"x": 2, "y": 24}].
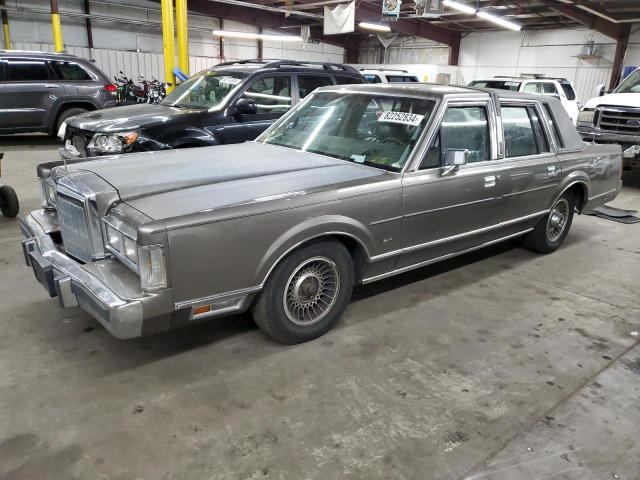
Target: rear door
[
  {"x": 29, "y": 92},
  {"x": 530, "y": 170}
]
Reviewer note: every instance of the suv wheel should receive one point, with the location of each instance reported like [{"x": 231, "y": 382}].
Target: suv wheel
[
  {"x": 306, "y": 294},
  {"x": 69, "y": 112},
  {"x": 9, "y": 205}
]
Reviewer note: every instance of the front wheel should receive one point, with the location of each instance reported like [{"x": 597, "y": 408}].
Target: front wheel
[
  {"x": 9, "y": 205},
  {"x": 306, "y": 294},
  {"x": 551, "y": 231}
]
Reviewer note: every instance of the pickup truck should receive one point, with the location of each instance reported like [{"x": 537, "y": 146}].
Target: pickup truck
[
  {"x": 614, "y": 118},
  {"x": 355, "y": 184}
]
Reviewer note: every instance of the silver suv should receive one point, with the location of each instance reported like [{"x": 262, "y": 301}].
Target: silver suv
[{"x": 38, "y": 90}]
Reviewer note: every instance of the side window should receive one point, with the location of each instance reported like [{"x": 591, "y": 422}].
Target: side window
[
  {"x": 271, "y": 94},
  {"x": 531, "y": 88},
  {"x": 308, "y": 83},
  {"x": 568, "y": 91},
  {"x": 69, "y": 71},
  {"x": 342, "y": 80},
  {"x": 549, "y": 89},
  {"x": 372, "y": 78},
  {"x": 523, "y": 132},
  {"x": 553, "y": 126},
  {"x": 27, "y": 70},
  {"x": 462, "y": 128}
]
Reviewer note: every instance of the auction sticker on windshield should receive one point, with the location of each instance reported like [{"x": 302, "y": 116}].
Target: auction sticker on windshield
[{"x": 404, "y": 118}]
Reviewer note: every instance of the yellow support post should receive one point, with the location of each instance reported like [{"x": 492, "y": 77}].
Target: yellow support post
[
  {"x": 5, "y": 27},
  {"x": 183, "y": 38},
  {"x": 55, "y": 26},
  {"x": 168, "y": 42}
]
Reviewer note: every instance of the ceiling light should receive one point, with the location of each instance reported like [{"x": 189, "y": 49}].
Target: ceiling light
[
  {"x": 247, "y": 35},
  {"x": 461, "y": 7},
  {"x": 499, "y": 21},
  {"x": 257, "y": 36},
  {"x": 374, "y": 26}
]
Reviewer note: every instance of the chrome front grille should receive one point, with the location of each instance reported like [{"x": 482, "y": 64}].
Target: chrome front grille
[
  {"x": 619, "y": 120},
  {"x": 73, "y": 227}
]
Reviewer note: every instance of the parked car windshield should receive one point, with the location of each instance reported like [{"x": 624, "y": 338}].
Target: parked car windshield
[
  {"x": 631, "y": 84},
  {"x": 499, "y": 84},
  {"x": 375, "y": 130},
  {"x": 204, "y": 90}
]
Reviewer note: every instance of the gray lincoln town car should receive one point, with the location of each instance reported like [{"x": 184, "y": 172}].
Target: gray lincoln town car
[{"x": 355, "y": 184}]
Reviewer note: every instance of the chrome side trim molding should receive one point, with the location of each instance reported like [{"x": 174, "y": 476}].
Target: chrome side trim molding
[
  {"x": 608, "y": 192},
  {"x": 443, "y": 257},
  {"x": 459, "y": 236},
  {"x": 448, "y": 207},
  {"x": 385, "y": 220},
  {"x": 219, "y": 297},
  {"x": 513, "y": 194}
]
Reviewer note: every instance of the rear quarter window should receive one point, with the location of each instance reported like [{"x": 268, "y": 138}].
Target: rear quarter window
[
  {"x": 343, "y": 80},
  {"x": 70, "y": 71},
  {"x": 568, "y": 91}
]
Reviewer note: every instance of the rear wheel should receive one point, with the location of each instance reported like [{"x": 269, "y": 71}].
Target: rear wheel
[
  {"x": 306, "y": 294},
  {"x": 551, "y": 231},
  {"x": 9, "y": 205}
]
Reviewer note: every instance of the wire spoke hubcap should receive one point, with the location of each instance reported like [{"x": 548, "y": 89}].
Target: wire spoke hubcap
[
  {"x": 311, "y": 291},
  {"x": 557, "y": 219}
]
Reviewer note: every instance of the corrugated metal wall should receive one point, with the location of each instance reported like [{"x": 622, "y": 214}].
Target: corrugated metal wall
[{"x": 149, "y": 65}]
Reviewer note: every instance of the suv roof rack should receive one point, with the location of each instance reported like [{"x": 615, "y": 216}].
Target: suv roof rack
[
  {"x": 385, "y": 70},
  {"x": 275, "y": 63}
]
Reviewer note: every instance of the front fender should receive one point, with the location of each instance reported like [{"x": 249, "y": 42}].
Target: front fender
[{"x": 310, "y": 229}]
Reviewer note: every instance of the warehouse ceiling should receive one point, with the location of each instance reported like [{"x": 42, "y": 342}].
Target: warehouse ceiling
[{"x": 530, "y": 14}]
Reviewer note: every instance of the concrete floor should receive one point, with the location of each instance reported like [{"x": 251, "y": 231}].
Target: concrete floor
[{"x": 499, "y": 365}]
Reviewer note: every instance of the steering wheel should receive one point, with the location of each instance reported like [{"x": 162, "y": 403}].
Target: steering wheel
[{"x": 390, "y": 140}]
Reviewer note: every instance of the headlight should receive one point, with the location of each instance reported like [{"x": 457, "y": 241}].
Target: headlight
[
  {"x": 120, "y": 240},
  {"x": 153, "y": 273},
  {"x": 48, "y": 193},
  {"x": 116, "y": 143},
  {"x": 586, "y": 116}
]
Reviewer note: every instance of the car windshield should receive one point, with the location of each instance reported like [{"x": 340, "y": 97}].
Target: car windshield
[
  {"x": 499, "y": 84},
  {"x": 375, "y": 130},
  {"x": 204, "y": 90},
  {"x": 631, "y": 84}
]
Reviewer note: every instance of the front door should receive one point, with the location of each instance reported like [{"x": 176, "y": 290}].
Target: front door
[
  {"x": 28, "y": 93},
  {"x": 272, "y": 96},
  {"x": 446, "y": 209}
]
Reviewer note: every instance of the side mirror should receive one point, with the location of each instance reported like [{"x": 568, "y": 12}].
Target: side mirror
[
  {"x": 600, "y": 90},
  {"x": 455, "y": 157},
  {"x": 246, "y": 106}
]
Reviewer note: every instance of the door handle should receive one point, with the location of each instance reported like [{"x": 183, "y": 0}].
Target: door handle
[
  {"x": 490, "y": 181},
  {"x": 50, "y": 86}
]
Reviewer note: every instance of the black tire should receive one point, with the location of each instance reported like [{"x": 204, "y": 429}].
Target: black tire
[
  {"x": 283, "y": 318},
  {"x": 9, "y": 205},
  {"x": 551, "y": 231},
  {"x": 69, "y": 112}
]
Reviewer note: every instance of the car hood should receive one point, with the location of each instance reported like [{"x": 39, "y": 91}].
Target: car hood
[
  {"x": 617, "y": 99},
  {"x": 171, "y": 183},
  {"x": 129, "y": 117}
]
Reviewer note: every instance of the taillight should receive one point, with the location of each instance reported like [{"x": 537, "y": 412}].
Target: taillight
[{"x": 110, "y": 88}]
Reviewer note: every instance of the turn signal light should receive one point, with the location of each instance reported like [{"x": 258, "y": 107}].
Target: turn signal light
[
  {"x": 110, "y": 88},
  {"x": 201, "y": 310}
]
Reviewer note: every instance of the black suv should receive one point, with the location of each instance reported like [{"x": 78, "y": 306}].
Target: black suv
[
  {"x": 38, "y": 91},
  {"x": 229, "y": 103}
]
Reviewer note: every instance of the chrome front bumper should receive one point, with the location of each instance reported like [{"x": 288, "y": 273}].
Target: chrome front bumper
[{"x": 73, "y": 283}]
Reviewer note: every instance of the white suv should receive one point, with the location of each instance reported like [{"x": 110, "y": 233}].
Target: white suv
[
  {"x": 388, "y": 76},
  {"x": 560, "y": 88}
]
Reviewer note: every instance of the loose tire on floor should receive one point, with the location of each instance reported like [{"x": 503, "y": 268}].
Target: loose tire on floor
[
  {"x": 306, "y": 294},
  {"x": 68, "y": 113},
  {"x": 551, "y": 231},
  {"x": 9, "y": 205}
]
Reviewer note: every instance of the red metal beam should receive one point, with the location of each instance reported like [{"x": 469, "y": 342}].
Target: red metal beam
[
  {"x": 594, "y": 22},
  {"x": 621, "y": 50}
]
